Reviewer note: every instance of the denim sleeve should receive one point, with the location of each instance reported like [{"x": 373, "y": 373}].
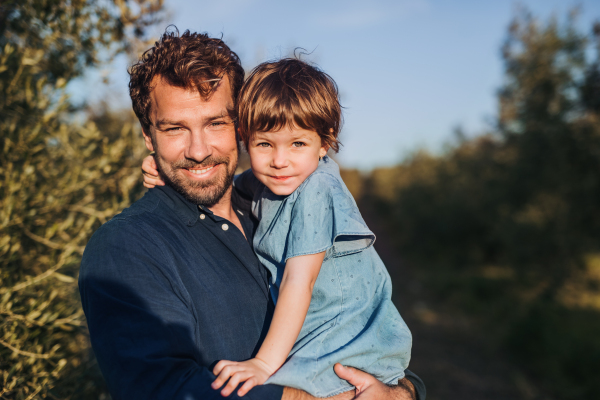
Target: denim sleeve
[
  {"x": 325, "y": 218},
  {"x": 140, "y": 328}
]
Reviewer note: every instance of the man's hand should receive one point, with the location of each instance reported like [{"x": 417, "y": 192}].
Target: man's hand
[
  {"x": 253, "y": 371},
  {"x": 367, "y": 388}
]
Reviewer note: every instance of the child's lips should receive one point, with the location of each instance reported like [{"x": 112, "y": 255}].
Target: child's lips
[{"x": 280, "y": 178}]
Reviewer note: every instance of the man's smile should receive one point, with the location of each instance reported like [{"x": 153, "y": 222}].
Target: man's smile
[{"x": 201, "y": 171}]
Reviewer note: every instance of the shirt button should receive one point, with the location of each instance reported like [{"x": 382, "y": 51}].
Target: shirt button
[
  {"x": 202, "y": 216},
  {"x": 224, "y": 227}
]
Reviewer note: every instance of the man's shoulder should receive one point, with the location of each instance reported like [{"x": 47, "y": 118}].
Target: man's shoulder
[
  {"x": 129, "y": 223},
  {"x": 142, "y": 209},
  {"x": 129, "y": 239}
]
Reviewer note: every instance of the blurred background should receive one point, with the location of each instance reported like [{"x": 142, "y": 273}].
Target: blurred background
[{"x": 471, "y": 143}]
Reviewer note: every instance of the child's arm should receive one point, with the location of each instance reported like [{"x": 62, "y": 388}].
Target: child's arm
[
  {"x": 151, "y": 177},
  {"x": 295, "y": 293}
]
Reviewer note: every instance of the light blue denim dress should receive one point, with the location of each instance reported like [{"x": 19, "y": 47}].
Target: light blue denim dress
[{"x": 351, "y": 318}]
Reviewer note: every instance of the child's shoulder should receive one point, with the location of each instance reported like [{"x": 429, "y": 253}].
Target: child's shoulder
[
  {"x": 327, "y": 175},
  {"x": 325, "y": 182}
]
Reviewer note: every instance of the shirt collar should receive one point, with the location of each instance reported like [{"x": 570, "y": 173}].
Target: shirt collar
[{"x": 188, "y": 212}]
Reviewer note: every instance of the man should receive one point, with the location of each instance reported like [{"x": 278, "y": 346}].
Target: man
[{"x": 171, "y": 285}]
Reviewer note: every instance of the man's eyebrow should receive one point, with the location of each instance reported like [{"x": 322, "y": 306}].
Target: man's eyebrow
[
  {"x": 162, "y": 122},
  {"x": 228, "y": 112}
]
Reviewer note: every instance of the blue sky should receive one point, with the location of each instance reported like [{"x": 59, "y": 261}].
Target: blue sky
[{"x": 409, "y": 71}]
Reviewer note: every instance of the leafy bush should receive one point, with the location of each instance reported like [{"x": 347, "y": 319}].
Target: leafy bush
[{"x": 59, "y": 181}]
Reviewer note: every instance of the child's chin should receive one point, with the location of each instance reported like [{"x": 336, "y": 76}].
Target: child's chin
[{"x": 282, "y": 191}]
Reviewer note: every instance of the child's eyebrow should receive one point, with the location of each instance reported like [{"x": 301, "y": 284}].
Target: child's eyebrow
[{"x": 303, "y": 136}]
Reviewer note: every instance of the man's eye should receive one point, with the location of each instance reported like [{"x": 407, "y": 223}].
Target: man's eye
[
  {"x": 298, "y": 144},
  {"x": 174, "y": 129}
]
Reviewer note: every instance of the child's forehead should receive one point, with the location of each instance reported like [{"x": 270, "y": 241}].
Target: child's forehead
[{"x": 288, "y": 132}]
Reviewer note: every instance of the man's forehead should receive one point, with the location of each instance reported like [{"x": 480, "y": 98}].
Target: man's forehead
[
  {"x": 166, "y": 97},
  {"x": 214, "y": 84}
]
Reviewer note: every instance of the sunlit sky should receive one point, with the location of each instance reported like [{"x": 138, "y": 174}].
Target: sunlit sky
[{"x": 409, "y": 71}]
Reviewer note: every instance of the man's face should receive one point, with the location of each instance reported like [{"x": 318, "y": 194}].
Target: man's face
[{"x": 194, "y": 140}]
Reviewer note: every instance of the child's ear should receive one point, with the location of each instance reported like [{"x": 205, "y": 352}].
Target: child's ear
[{"x": 323, "y": 151}]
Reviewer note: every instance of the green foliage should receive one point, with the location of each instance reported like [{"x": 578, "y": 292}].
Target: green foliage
[
  {"x": 507, "y": 225},
  {"x": 58, "y": 182}
]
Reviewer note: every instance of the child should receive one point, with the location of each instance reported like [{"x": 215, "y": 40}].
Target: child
[{"x": 331, "y": 290}]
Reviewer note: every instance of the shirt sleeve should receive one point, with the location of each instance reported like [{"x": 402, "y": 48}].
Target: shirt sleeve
[
  {"x": 247, "y": 184},
  {"x": 417, "y": 383},
  {"x": 325, "y": 218},
  {"x": 140, "y": 328}
]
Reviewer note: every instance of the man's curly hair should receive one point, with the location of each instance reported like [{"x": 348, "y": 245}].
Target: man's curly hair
[{"x": 190, "y": 61}]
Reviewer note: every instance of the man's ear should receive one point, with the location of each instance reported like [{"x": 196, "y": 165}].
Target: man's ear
[{"x": 148, "y": 139}]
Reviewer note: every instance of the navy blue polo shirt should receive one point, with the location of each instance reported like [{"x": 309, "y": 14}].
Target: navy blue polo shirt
[{"x": 168, "y": 289}]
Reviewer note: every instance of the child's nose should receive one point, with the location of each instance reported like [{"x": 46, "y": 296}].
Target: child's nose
[{"x": 280, "y": 159}]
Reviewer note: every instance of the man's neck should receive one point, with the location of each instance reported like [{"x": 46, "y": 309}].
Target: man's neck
[{"x": 224, "y": 209}]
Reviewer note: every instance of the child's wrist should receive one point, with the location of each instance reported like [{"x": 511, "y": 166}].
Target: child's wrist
[{"x": 270, "y": 367}]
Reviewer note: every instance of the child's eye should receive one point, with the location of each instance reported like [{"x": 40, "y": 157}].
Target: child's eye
[
  {"x": 298, "y": 144},
  {"x": 263, "y": 144}
]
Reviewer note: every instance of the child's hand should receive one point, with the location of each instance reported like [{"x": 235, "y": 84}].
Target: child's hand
[
  {"x": 254, "y": 372},
  {"x": 150, "y": 173}
]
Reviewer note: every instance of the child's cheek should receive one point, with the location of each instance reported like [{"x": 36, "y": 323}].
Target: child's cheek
[{"x": 258, "y": 168}]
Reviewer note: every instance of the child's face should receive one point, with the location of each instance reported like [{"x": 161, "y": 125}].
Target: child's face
[{"x": 283, "y": 159}]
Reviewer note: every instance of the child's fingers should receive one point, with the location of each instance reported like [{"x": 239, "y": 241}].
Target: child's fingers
[
  {"x": 250, "y": 383},
  {"x": 234, "y": 381},
  {"x": 224, "y": 370},
  {"x": 218, "y": 367},
  {"x": 151, "y": 181},
  {"x": 149, "y": 165},
  {"x": 150, "y": 186}
]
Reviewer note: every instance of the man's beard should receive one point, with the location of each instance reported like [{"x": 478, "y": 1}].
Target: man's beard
[{"x": 207, "y": 193}]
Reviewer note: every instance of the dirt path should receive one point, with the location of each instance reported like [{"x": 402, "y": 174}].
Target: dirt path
[{"x": 449, "y": 353}]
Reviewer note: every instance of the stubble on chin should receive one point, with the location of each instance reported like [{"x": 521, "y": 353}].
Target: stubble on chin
[{"x": 207, "y": 193}]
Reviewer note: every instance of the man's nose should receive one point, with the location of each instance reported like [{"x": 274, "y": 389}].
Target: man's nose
[
  {"x": 197, "y": 147},
  {"x": 280, "y": 159}
]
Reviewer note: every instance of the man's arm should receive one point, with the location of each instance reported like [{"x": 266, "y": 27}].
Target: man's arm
[
  {"x": 417, "y": 384},
  {"x": 141, "y": 330},
  {"x": 367, "y": 388}
]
